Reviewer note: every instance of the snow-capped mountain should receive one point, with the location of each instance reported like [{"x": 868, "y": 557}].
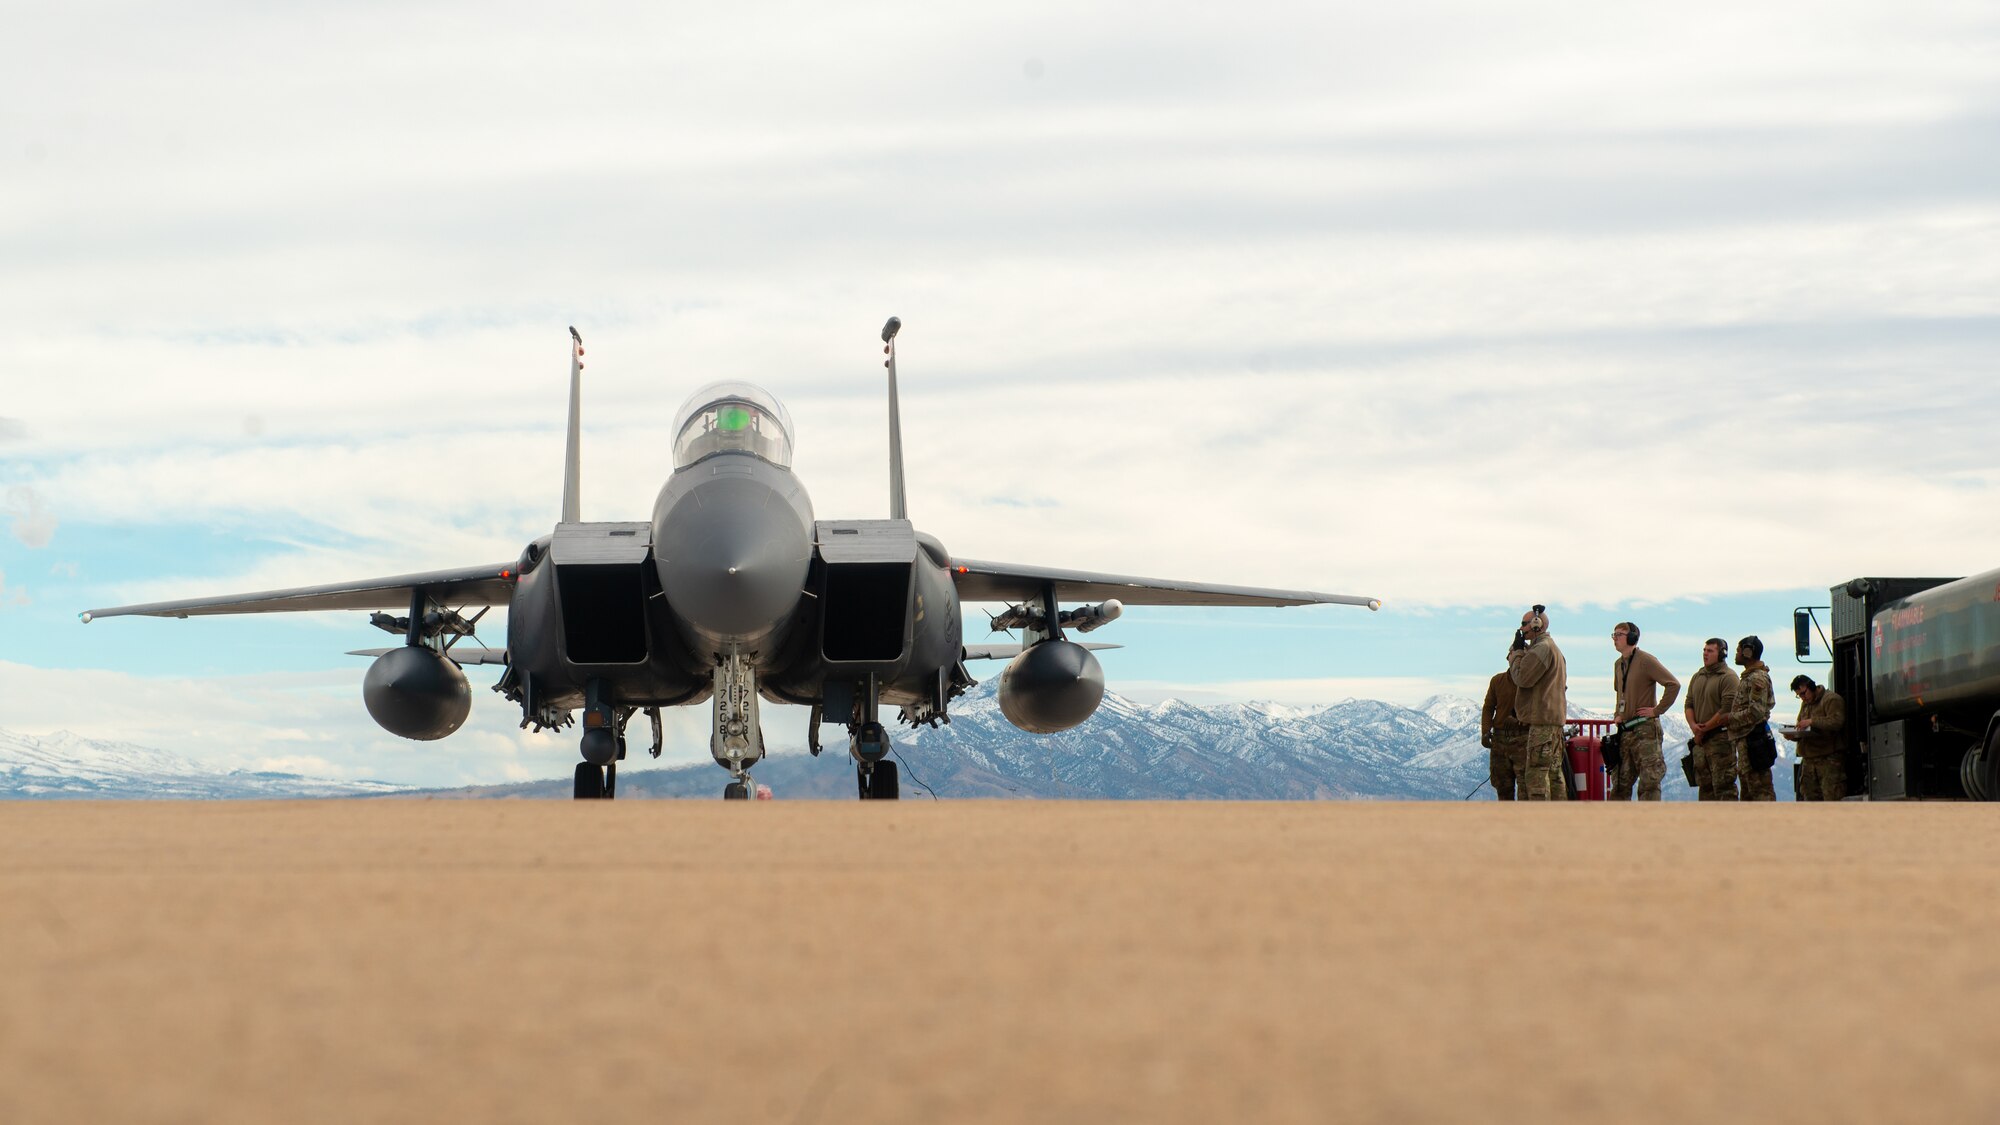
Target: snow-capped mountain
[
  {"x": 1355, "y": 749},
  {"x": 65, "y": 765},
  {"x": 1234, "y": 751}
]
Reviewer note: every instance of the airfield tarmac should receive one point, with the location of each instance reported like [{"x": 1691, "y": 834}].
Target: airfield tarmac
[{"x": 342, "y": 961}]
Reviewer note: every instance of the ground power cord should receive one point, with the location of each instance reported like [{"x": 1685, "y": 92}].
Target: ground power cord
[{"x": 912, "y": 773}]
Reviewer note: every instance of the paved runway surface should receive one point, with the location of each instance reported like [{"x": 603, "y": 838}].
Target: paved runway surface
[{"x": 352, "y": 961}]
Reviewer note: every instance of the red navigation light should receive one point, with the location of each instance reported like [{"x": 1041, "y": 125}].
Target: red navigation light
[{"x": 506, "y": 574}]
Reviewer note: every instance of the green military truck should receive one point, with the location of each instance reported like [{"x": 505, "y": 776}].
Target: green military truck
[{"x": 1918, "y": 662}]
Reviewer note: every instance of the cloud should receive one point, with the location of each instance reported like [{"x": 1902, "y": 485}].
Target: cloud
[
  {"x": 1439, "y": 305},
  {"x": 33, "y": 523}
]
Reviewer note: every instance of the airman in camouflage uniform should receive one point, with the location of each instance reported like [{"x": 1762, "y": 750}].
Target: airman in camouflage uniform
[
  {"x": 1711, "y": 692},
  {"x": 1504, "y": 736},
  {"x": 1638, "y": 677},
  {"x": 1749, "y": 709},
  {"x": 1542, "y": 676},
  {"x": 1822, "y": 723}
]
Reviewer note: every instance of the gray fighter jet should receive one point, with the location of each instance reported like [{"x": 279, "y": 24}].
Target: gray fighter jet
[{"x": 733, "y": 592}]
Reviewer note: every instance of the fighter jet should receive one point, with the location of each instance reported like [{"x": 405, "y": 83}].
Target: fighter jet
[{"x": 733, "y": 593}]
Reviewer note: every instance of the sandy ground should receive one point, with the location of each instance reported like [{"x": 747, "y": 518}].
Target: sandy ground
[{"x": 349, "y": 961}]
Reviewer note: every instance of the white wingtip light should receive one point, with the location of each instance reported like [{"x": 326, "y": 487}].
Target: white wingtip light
[
  {"x": 84, "y": 617},
  {"x": 1374, "y": 604}
]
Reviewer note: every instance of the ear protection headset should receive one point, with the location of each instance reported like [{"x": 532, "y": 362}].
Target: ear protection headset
[{"x": 1631, "y": 633}]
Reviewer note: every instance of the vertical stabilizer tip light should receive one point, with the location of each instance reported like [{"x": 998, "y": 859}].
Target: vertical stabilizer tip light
[{"x": 890, "y": 329}]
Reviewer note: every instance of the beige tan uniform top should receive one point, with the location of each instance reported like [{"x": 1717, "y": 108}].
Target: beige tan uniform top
[
  {"x": 1636, "y": 676},
  {"x": 1711, "y": 692},
  {"x": 1829, "y": 721},
  {"x": 1543, "y": 677},
  {"x": 1498, "y": 711}
]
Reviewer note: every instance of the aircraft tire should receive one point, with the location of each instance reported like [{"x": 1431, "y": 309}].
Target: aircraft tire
[
  {"x": 884, "y": 785},
  {"x": 735, "y": 791},
  {"x": 589, "y": 782}
]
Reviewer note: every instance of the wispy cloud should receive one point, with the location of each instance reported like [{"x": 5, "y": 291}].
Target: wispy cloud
[
  {"x": 1456, "y": 304},
  {"x": 29, "y": 517}
]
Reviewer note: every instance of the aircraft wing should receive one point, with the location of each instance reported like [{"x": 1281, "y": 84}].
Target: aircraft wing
[
  {"x": 460, "y": 655},
  {"x": 1009, "y": 652},
  {"x": 1005, "y": 582},
  {"x": 467, "y": 586}
]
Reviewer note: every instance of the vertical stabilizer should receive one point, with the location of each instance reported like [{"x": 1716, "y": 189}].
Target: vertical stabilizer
[
  {"x": 572, "y": 484},
  {"x": 897, "y": 509}
]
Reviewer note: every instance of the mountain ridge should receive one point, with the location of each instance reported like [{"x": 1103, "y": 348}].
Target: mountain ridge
[{"x": 1355, "y": 749}]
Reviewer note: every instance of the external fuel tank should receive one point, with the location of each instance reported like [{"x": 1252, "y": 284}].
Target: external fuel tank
[{"x": 1937, "y": 649}]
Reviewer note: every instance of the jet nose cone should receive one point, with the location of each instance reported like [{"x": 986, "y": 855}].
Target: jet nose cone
[{"x": 732, "y": 562}]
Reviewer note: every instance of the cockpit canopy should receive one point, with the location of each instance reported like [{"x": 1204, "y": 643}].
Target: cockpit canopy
[{"x": 732, "y": 416}]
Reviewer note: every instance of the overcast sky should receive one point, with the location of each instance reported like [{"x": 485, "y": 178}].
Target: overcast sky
[{"x": 1674, "y": 312}]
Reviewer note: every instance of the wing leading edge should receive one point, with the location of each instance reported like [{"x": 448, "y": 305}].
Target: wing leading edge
[
  {"x": 1005, "y": 582},
  {"x": 467, "y": 586}
]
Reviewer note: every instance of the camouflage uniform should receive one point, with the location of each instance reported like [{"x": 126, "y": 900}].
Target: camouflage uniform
[
  {"x": 1638, "y": 678},
  {"x": 1822, "y": 770},
  {"x": 1749, "y": 709},
  {"x": 1711, "y": 691},
  {"x": 1542, "y": 676},
  {"x": 1640, "y": 762},
  {"x": 1504, "y": 736}
]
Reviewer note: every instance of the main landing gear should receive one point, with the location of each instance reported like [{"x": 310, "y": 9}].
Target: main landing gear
[
  {"x": 603, "y": 744},
  {"x": 874, "y": 774},
  {"x": 877, "y": 781}
]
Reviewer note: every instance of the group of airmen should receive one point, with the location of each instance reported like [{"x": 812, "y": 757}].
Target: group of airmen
[{"x": 1731, "y": 750}]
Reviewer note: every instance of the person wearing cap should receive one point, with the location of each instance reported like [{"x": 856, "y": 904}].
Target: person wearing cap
[
  {"x": 1748, "y": 710},
  {"x": 1542, "y": 703},
  {"x": 1504, "y": 736},
  {"x": 1822, "y": 722},
  {"x": 1638, "y": 678},
  {"x": 1711, "y": 691}
]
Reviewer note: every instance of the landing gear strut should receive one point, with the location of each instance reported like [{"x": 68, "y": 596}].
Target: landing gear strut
[
  {"x": 736, "y": 737},
  {"x": 874, "y": 774},
  {"x": 603, "y": 745}
]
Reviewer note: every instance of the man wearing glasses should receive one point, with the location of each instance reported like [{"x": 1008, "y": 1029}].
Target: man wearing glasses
[{"x": 1638, "y": 677}]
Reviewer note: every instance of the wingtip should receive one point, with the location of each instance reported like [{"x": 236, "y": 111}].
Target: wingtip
[
  {"x": 86, "y": 617},
  {"x": 1374, "y": 605}
]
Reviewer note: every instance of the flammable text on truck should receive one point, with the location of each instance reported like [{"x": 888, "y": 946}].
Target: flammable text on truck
[{"x": 1918, "y": 661}]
